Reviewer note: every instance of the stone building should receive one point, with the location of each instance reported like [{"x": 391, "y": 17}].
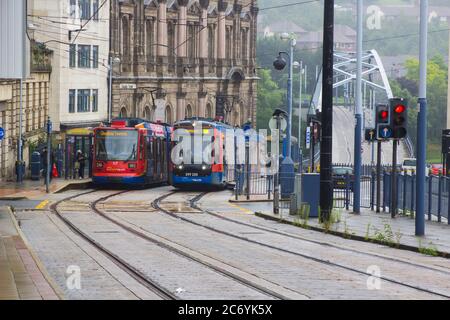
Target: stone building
[
  {"x": 183, "y": 58},
  {"x": 35, "y": 97}
]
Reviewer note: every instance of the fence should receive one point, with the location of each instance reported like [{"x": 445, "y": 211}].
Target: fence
[
  {"x": 260, "y": 185},
  {"x": 437, "y": 195}
]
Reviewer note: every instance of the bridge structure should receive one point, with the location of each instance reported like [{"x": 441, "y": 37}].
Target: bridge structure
[{"x": 376, "y": 89}]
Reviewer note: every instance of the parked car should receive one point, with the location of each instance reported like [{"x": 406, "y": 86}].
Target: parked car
[
  {"x": 340, "y": 177},
  {"x": 436, "y": 169},
  {"x": 409, "y": 165}
]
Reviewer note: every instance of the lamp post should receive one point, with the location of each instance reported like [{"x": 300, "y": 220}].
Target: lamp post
[
  {"x": 300, "y": 155},
  {"x": 287, "y": 166},
  {"x": 112, "y": 62}
]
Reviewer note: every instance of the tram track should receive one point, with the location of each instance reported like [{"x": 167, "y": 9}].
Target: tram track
[
  {"x": 142, "y": 278},
  {"x": 121, "y": 263},
  {"x": 195, "y": 256},
  {"x": 157, "y": 204},
  {"x": 194, "y": 205}
]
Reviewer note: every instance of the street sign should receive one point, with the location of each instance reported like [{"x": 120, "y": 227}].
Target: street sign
[
  {"x": 385, "y": 132},
  {"x": 127, "y": 86},
  {"x": 308, "y": 137},
  {"x": 2, "y": 133},
  {"x": 370, "y": 135}
]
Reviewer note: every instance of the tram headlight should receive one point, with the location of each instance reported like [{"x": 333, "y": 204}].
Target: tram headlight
[
  {"x": 180, "y": 167},
  {"x": 132, "y": 165},
  {"x": 99, "y": 165},
  {"x": 204, "y": 167}
]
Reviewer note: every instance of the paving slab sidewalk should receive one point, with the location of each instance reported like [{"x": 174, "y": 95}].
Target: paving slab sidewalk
[
  {"x": 22, "y": 276},
  {"x": 36, "y": 189},
  {"x": 369, "y": 226}
]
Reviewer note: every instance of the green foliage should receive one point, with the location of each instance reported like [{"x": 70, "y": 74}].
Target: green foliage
[
  {"x": 436, "y": 95},
  {"x": 429, "y": 251},
  {"x": 270, "y": 97},
  {"x": 302, "y": 217}
]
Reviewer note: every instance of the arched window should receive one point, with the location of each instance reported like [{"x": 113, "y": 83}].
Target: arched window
[
  {"x": 229, "y": 43},
  {"x": 125, "y": 37},
  {"x": 168, "y": 115},
  {"x": 243, "y": 115},
  {"x": 192, "y": 38},
  {"x": 236, "y": 118},
  {"x": 211, "y": 42},
  {"x": 171, "y": 39},
  {"x": 244, "y": 44},
  {"x": 188, "y": 111},
  {"x": 208, "y": 111},
  {"x": 123, "y": 113},
  {"x": 147, "y": 113},
  {"x": 149, "y": 38}
]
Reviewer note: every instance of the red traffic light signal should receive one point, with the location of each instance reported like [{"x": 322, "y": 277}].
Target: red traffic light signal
[
  {"x": 384, "y": 115},
  {"x": 399, "y": 108},
  {"x": 399, "y": 117}
]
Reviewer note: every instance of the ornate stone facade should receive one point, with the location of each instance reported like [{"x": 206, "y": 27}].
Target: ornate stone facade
[{"x": 182, "y": 58}]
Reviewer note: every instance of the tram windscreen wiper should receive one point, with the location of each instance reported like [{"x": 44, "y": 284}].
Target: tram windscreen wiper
[{"x": 132, "y": 155}]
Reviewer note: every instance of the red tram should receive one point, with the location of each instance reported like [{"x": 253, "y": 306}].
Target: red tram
[{"x": 131, "y": 152}]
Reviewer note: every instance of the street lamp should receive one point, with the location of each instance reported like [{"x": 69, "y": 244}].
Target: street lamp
[
  {"x": 287, "y": 166},
  {"x": 299, "y": 65},
  {"x": 112, "y": 62}
]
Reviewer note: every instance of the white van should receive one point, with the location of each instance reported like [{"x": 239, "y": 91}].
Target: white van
[{"x": 409, "y": 165}]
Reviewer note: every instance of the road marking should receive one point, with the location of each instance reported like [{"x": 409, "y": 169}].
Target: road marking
[
  {"x": 240, "y": 208},
  {"x": 42, "y": 204}
]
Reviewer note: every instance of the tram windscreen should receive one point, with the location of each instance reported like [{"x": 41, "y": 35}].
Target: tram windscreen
[{"x": 116, "y": 145}]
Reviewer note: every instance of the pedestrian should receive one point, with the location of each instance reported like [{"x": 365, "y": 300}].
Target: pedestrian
[{"x": 81, "y": 159}]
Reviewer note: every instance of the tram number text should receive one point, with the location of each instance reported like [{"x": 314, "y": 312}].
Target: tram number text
[{"x": 191, "y": 174}]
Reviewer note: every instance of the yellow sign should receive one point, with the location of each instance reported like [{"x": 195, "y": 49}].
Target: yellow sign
[{"x": 113, "y": 133}]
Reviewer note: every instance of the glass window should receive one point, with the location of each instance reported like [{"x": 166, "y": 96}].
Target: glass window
[
  {"x": 83, "y": 104},
  {"x": 116, "y": 145},
  {"x": 73, "y": 8},
  {"x": 95, "y": 9},
  {"x": 95, "y": 100},
  {"x": 84, "y": 56},
  {"x": 95, "y": 57},
  {"x": 72, "y": 55},
  {"x": 85, "y": 9},
  {"x": 71, "y": 101}
]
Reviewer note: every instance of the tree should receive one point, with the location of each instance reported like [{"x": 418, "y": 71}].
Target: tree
[
  {"x": 270, "y": 97},
  {"x": 436, "y": 95}
]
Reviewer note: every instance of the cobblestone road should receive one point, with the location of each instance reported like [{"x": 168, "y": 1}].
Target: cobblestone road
[
  {"x": 300, "y": 264},
  {"x": 312, "y": 278}
]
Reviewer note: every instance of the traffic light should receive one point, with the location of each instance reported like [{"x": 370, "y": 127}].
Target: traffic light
[
  {"x": 382, "y": 124},
  {"x": 399, "y": 117}
]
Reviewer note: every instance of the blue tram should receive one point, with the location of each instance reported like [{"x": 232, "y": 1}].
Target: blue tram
[
  {"x": 200, "y": 161},
  {"x": 131, "y": 152}
]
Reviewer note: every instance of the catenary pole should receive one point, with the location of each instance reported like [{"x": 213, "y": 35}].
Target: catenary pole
[
  {"x": 422, "y": 121},
  {"x": 326, "y": 184},
  {"x": 358, "y": 110}
]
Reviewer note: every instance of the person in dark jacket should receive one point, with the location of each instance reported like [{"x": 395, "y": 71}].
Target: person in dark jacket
[{"x": 81, "y": 159}]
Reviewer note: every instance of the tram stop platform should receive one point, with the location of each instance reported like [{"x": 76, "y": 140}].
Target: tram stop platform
[
  {"x": 30, "y": 189},
  {"x": 22, "y": 277},
  {"x": 369, "y": 226}
]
